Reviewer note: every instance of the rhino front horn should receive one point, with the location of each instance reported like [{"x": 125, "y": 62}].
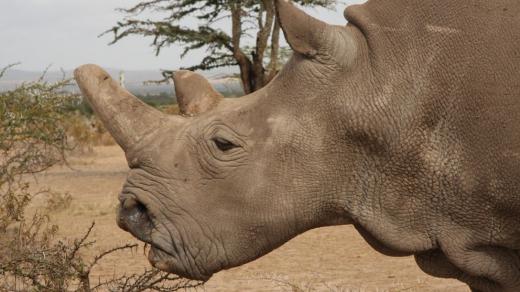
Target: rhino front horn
[
  {"x": 313, "y": 38},
  {"x": 194, "y": 93},
  {"x": 126, "y": 117}
]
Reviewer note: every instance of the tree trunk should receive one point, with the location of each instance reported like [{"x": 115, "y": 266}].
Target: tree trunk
[
  {"x": 253, "y": 74},
  {"x": 275, "y": 48},
  {"x": 262, "y": 38},
  {"x": 246, "y": 75},
  {"x": 243, "y": 62}
]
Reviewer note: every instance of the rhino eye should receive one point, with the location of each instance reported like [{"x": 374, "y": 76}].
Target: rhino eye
[{"x": 223, "y": 144}]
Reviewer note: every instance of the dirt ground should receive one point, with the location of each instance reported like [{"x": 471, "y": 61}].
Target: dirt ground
[{"x": 325, "y": 259}]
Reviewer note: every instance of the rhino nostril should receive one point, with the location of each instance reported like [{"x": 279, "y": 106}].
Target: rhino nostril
[
  {"x": 134, "y": 217},
  {"x": 133, "y": 212},
  {"x": 141, "y": 208}
]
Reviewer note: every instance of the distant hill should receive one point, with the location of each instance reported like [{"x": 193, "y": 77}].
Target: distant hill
[{"x": 134, "y": 81}]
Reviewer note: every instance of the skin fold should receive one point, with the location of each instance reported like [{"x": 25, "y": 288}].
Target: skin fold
[{"x": 404, "y": 123}]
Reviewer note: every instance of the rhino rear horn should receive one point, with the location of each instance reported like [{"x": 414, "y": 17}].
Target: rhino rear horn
[
  {"x": 126, "y": 117},
  {"x": 194, "y": 93},
  {"x": 311, "y": 37}
]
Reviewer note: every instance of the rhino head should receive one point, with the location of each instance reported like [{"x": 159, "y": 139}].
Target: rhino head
[{"x": 230, "y": 180}]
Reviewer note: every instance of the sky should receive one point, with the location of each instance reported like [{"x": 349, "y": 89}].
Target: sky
[{"x": 64, "y": 34}]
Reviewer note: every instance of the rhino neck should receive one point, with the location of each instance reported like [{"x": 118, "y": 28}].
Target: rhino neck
[
  {"x": 387, "y": 200},
  {"x": 369, "y": 159},
  {"x": 392, "y": 142}
]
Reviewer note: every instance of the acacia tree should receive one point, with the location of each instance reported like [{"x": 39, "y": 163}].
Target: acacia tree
[{"x": 249, "y": 19}]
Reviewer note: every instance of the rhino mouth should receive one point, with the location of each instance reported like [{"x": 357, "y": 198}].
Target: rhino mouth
[{"x": 134, "y": 217}]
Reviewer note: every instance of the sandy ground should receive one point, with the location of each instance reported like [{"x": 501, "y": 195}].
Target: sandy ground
[{"x": 325, "y": 259}]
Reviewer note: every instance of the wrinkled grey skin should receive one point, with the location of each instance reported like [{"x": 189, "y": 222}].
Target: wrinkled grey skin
[{"x": 405, "y": 123}]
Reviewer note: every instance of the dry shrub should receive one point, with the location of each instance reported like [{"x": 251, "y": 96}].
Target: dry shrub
[
  {"x": 34, "y": 260},
  {"x": 86, "y": 132},
  {"x": 55, "y": 202},
  {"x": 34, "y": 126},
  {"x": 80, "y": 133}
]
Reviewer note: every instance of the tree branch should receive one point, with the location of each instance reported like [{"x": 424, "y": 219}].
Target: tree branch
[
  {"x": 249, "y": 18},
  {"x": 272, "y": 67}
]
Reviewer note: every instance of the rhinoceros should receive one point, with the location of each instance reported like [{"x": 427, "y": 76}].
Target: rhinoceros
[{"x": 404, "y": 123}]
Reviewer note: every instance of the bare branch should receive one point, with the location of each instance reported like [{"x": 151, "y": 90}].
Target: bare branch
[
  {"x": 6, "y": 68},
  {"x": 110, "y": 251}
]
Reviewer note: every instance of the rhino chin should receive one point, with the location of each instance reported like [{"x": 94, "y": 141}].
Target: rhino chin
[{"x": 163, "y": 261}]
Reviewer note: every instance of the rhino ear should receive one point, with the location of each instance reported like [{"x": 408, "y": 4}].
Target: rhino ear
[
  {"x": 309, "y": 36},
  {"x": 301, "y": 30},
  {"x": 194, "y": 93}
]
